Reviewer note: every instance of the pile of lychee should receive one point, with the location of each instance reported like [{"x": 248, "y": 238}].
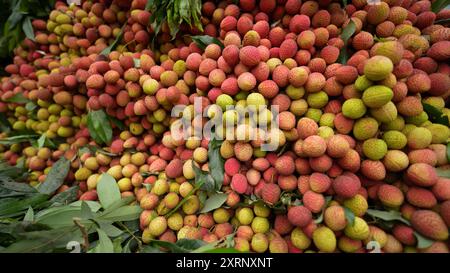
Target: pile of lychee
[{"x": 355, "y": 134}]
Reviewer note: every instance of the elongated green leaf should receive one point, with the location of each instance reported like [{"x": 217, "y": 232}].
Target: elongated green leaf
[
  {"x": 94, "y": 205},
  {"x": 55, "y": 178},
  {"x": 86, "y": 212},
  {"x": 350, "y": 216},
  {"x": 4, "y": 123},
  {"x": 181, "y": 246},
  {"x": 387, "y": 215},
  {"x": 448, "y": 152},
  {"x": 435, "y": 115},
  {"x": 150, "y": 249},
  {"x": 347, "y": 32},
  {"x": 99, "y": 126},
  {"x": 44, "y": 241},
  {"x": 422, "y": 242},
  {"x": 438, "y": 5},
  {"x": 114, "y": 44},
  {"x": 214, "y": 201},
  {"x": 118, "y": 203},
  {"x": 29, "y": 216},
  {"x": 66, "y": 197},
  {"x": 118, "y": 122},
  {"x": 110, "y": 230},
  {"x": 105, "y": 245},
  {"x": 28, "y": 28},
  {"x": 107, "y": 190},
  {"x": 216, "y": 162},
  {"x": 202, "y": 41},
  {"x": 223, "y": 250},
  {"x": 18, "y": 187},
  {"x": 15, "y": 229},
  {"x": 18, "y": 98},
  {"x": 442, "y": 21},
  {"x": 59, "y": 216},
  {"x": 443, "y": 172},
  {"x": 18, "y": 139},
  {"x": 203, "y": 179},
  {"x": 127, "y": 213},
  {"x": 11, "y": 207}
]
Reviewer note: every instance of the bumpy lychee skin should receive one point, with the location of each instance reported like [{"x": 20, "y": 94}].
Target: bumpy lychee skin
[
  {"x": 249, "y": 56},
  {"x": 421, "y": 198},
  {"x": 319, "y": 182},
  {"x": 429, "y": 224},
  {"x": 239, "y": 183},
  {"x": 324, "y": 239},
  {"x": 285, "y": 165},
  {"x": 299, "y": 216},
  {"x": 346, "y": 186},
  {"x": 314, "y": 146},
  {"x": 390, "y": 196},
  {"x": 422, "y": 174},
  {"x": 334, "y": 218},
  {"x": 378, "y": 68},
  {"x": 270, "y": 193}
]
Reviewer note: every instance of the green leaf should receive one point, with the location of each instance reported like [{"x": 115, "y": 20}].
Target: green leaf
[
  {"x": 99, "y": 126},
  {"x": 442, "y": 21},
  {"x": 151, "y": 249},
  {"x": 443, "y": 172},
  {"x": 86, "y": 212},
  {"x": 41, "y": 141},
  {"x": 29, "y": 216},
  {"x": 223, "y": 250},
  {"x": 55, "y": 178},
  {"x": 117, "y": 245},
  {"x": 127, "y": 213},
  {"x": 111, "y": 230},
  {"x": 422, "y": 242},
  {"x": 214, "y": 201},
  {"x": 18, "y": 139},
  {"x": 350, "y": 216},
  {"x": 387, "y": 215},
  {"x": 118, "y": 203},
  {"x": 18, "y": 187},
  {"x": 107, "y": 190},
  {"x": 30, "y": 106},
  {"x": 202, "y": 41},
  {"x": 10, "y": 207},
  {"x": 344, "y": 2},
  {"x": 105, "y": 245},
  {"x": 114, "y": 44},
  {"x": 17, "y": 98},
  {"x": 216, "y": 162},
  {"x": 438, "y": 5},
  {"x": 28, "y": 28},
  {"x": 448, "y": 152},
  {"x": 94, "y": 205},
  {"x": 435, "y": 115},
  {"x": 58, "y": 217},
  {"x": 181, "y": 246},
  {"x": 66, "y": 197},
  {"x": 4, "y": 123},
  {"x": 137, "y": 62},
  {"x": 117, "y": 122},
  {"x": 203, "y": 179},
  {"x": 44, "y": 241},
  {"x": 347, "y": 32}
]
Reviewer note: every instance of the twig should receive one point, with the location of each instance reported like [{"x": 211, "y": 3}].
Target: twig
[
  {"x": 139, "y": 242},
  {"x": 83, "y": 232}
]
